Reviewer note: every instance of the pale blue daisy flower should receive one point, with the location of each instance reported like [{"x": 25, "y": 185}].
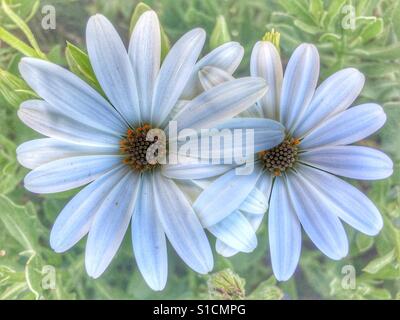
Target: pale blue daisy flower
[
  {"x": 298, "y": 178},
  {"x": 96, "y": 141}
]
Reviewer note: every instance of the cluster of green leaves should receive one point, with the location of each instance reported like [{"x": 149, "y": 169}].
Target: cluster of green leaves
[{"x": 28, "y": 267}]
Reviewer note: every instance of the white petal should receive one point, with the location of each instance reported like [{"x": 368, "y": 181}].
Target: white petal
[
  {"x": 224, "y": 196},
  {"x": 350, "y": 161},
  {"x": 110, "y": 224},
  {"x": 267, "y": 133},
  {"x": 235, "y": 231},
  {"x": 299, "y": 82},
  {"x": 256, "y": 202},
  {"x": 266, "y": 63},
  {"x": 346, "y": 127},
  {"x": 74, "y": 221},
  {"x": 144, "y": 53},
  {"x": 69, "y": 173},
  {"x": 70, "y": 95},
  {"x": 284, "y": 232},
  {"x": 334, "y": 95},
  {"x": 226, "y": 57},
  {"x": 211, "y": 76},
  {"x": 221, "y": 103},
  {"x": 175, "y": 72},
  {"x": 112, "y": 67},
  {"x": 317, "y": 217},
  {"x": 148, "y": 238},
  {"x": 181, "y": 225},
  {"x": 194, "y": 170},
  {"x": 225, "y": 250},
  {"x": 42, "y": 117},
  {"x": 34, "y": 153},
  {"x": 352, "y": 206}
]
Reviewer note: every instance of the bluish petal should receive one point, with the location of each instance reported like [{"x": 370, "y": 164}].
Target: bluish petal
[
  {"x": 235, "y": 231},
  {"x": 352, "y": 206},
  {"x": 267, "y": 133},
  {"x": 224, "y": 196},
  {"x": 69, "y": 95},
  {"x": 221, "y": 103},
  {"x": 181, "y": 225},
  {"x": 226, "y": 57},
  {"x": 144, "y": 53},
  {"x": 317, "y": 217},
  {"x": 266, "y": 63},
  {"x": 354, "y": 162},
  {"x": 34, "y": 153},
  {"x": 43, "y": 118},
  {"x": 334, "y": 95},
  {"x": 211, "y": 76},
  {"x": 284, "y": 232},
  {"x": 69, "y": 173},
  {"x": 194, "y": 170},
  {"x": 299, "y": 82},
  {"x": 346, "y": 127},
  {"x": 75, "y": 220},
  {"x": 110, "y": 224},
  {"x": 148, "y": 238},
  {"x": 112, "y": 67},
  {"x": 175, "y": 72}
]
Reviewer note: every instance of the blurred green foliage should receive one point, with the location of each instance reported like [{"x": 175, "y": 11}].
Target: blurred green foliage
[{"x": 27, "y": 264}]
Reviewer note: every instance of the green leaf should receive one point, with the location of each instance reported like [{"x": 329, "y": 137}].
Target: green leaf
[
  {"x": 226, "y": 285},
  {"x": 13, "y": 89},
  {"x": 24, "y": 28},
  {"x": 139, "y": 10},
  {"x": 266, "y": 291},
  {"x": 372, "y": 30},
  {"x": 17, "y": 44},
  {"x": 19, "y": 223},
  {"x": 364, "y": 242},
  {"x": 79, "y": 63},
  {"x": 377, "y": 264},
  {"x": 220, "y": 34}
]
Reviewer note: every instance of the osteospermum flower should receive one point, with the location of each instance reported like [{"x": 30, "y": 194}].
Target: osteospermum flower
[
  {"x": 103, "y": 142},
  {"x": 299, "y": 176}
]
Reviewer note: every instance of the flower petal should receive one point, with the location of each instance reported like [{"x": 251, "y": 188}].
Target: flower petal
[
  {"x": 43, "y": 118},
  {"x": 299, "y": 82},
  {"x": 266, "y": 63},
  {"x": 211, "y": 76},
  {"x": 334, "y": 95},
  {"x": 112, "y": 67},
  {"x": 181, "y": 225},
  {"x": 194, "y": 170},
  {"x": 221, "y": 103},
  {"x": 34, "y": 153},
  {"x": 352, "y": 206},
  {"x": 346, "y": 127},
  {"x": 350, "y": 161},
  {"x": 226, "y": 57},
  {"x": 267, "y": 133},
  {"x": 110, "y": 224},
  {"x": 70, "y": 95},
  {"x": 317, "y": 217},
  {"x": 144, "y": 53},
  {"x": 148, "y": 238},
  {"x": 225, "y": 250},
  {"x": 175, "y": 72},
  {"x": 284, "y": 232},
  {"x": 256, "y": 202},
  {"x": 69, "y": 173},
  {"x": 224, "y": 196},
  {"x": 75, "y": 220},
  {"x": 235, "y": 231}
]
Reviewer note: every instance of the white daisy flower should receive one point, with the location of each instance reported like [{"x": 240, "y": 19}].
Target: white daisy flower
[
  {"x": 98, "y": 141},
  {"x": 299, "y": 176}
]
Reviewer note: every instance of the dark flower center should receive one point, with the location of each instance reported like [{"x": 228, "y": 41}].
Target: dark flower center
[
  {"x": 281, "y": 157},
  {"x": 142, "y": 149}
]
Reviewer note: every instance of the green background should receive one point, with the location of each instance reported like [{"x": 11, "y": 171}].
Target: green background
[{"x": 25, "y": 219}]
